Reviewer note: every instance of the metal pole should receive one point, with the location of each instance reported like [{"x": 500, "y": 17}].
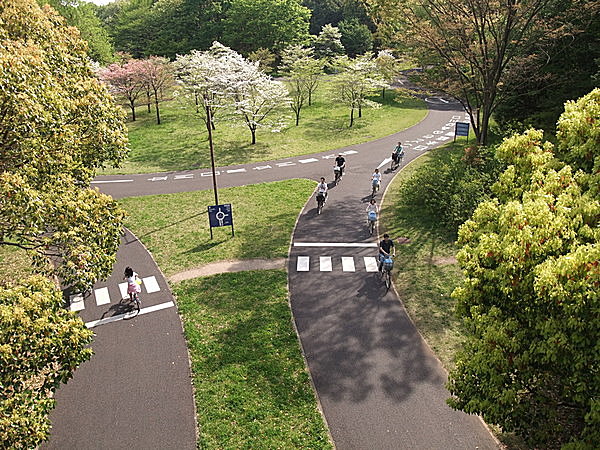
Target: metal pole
[{"x": 212, "y": 153}]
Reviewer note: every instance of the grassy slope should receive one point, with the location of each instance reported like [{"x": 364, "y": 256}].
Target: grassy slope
[
  {"x": 175, "y": 229},
  {"x": 251, "y": 387},
  {"x": 426, "y": 270},
  {"x": 181, "y": 141}
]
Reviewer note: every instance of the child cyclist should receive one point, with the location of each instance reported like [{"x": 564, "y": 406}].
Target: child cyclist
[{"x": 133, "y": 283}]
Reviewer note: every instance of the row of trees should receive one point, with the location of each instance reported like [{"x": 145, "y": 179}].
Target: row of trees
[
  {"x": 179, "y": 27},
  {"x": 484, "y": 52},
  {"x": 230, "y": 85},
  {"x": 58, "y": 125}
]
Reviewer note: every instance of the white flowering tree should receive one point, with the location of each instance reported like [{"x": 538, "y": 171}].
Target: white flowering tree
[
  {"x": 221, "y": 77},
  {"x": 388, "y": 67},
  {"x": 357, "y": 80}
]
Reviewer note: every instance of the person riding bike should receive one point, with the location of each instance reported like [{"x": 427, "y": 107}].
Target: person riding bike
[
  {"x": 322, "y": 189},
  {"x": 397, "y": 153},
  {"x": 340, "y": 162},
  {"x": 372, "y": 210},
  {"x": 133, "y": 283},
  {"x": 386, "y": 246},
  {"x": 375, "y": 180}
]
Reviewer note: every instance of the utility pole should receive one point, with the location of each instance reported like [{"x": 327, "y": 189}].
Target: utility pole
[{"x": 212, "y": 153}]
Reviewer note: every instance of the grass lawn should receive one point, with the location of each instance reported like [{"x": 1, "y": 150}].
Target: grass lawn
[
  {"x": 175, "y": 229},
  {"x": 181, "y": 141},
  {"x": 251, "y": 387},
  {"x": 15, "y": 264},
  {"x": 426, "y": 271}
]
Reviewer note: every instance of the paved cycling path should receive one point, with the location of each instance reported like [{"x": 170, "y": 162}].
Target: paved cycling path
[{"x": 379, "y": 385}]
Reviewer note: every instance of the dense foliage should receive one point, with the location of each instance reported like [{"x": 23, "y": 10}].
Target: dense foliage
[
  {"x": 41, "y": 344},
  {"x": 473, "y": 51},
  {"x": 530, "y": 298},
  {"x": 451, "y": 192}
]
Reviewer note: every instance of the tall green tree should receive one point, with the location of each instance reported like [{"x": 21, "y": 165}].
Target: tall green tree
[
  {"x": 275, "y": 24},
  {"x": 472, "y": 47},
  {"x": 356, "y": 37},
  {"x": 58, "y": 124},
  {"x": 531, "y": 294},
  {"x": 82, "y": 15}
]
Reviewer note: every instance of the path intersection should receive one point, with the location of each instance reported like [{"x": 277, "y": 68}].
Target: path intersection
[{"x": 378, "y": 384}]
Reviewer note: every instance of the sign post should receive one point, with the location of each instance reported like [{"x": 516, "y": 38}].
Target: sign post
[
  {"x": 461, "y": 129},
  {"x": 220, "y": 216}
]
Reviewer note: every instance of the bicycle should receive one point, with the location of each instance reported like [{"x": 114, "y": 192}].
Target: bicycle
[
  {"x": 375, "y": 186},
  {"x": 371, "y": 218},
  {"x": 385, "y": 271},
  {"x": 135, "y": 298},
  {"x": 320, "y": 202},
  {"x": 396, "y": 160},
  {"x": 337, "y": 174}
]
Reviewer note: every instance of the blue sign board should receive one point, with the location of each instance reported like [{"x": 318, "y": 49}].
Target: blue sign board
[
  {"x": 220, "y": 215},
  {"x": 462, "y": 129}
]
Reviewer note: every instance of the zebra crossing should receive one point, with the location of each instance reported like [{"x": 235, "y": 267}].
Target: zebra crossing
[
  {"x": 334, "y": 264},
  {"x": 102, "y": 295}
]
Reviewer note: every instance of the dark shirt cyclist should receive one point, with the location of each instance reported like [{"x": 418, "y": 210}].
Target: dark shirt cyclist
[
  {"x": 386, "y": 247},
  {"x": 340, "y": 161}
]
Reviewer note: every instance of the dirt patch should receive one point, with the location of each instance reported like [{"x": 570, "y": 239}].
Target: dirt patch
[
  {"x": 229, "y": 266},
  {"x": 443, "y": 260}
]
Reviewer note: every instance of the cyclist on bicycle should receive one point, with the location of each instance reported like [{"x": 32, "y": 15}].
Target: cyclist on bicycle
[
  {"x": 386, "y": 247},
  {"x": 397, "y": 153},
  {"x": 376, "y": 180},
  {"x": 372, "y": 210},
  {"x": 322, "y": 189},
  {"x": 340, "y": 162},
  {"x": 133, "y": 283}
]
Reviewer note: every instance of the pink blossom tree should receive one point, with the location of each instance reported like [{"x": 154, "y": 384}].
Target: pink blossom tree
[
  {"x": 125, "y": 81},
  {"x": 157, "y": 73}
]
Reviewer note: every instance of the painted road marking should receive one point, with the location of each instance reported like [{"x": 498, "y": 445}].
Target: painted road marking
[
  {"x": 151, "y": 284},
  {"x": 209, "y": 174},
  {"x": 286, "y": 164},
  {"x": 348, "y": 264},
  {"x": 309, "y": 160},
  {"x": 123, "y": 289},
  {"x": 302, "y": 265},
  {"x": 112, "y": 181},
  {"x": 421, "y": 147},
  {"x": 328, "y": 156},
  {"x": 236, "y": 170},
  {"x": 184, "y": 177},
  {"x": 262, "y": 167},
  {"x": 149, "y": 309},
  {"x": 102, "y": 296},
  {"x": 384, "y": 162},
  {"x": 158, "y": 179},
  {"x": 325, "y": 263},
  {"x": 349, "y": 152},
  {"x": 335, "y": 244},
  {"x": 76, "y": 302},
  {"x": 370, "y": 263}
]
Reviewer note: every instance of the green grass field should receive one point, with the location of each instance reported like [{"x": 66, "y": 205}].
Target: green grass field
[
  {"x": 426, "y": 271},
  {"x": 251, "y": 387},
  {"x": 175, "y": 229},
  {"x": 181, "y": 141}
]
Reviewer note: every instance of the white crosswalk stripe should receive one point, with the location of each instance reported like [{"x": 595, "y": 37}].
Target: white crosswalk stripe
[
  {"x": 325, "y": 263},
  {"x": 370, "y": 263},
  {"x": 332, "y": 264},
  {"x": 302, "y": 265},
  {"x": 348, "y": 264},
  {"x": 102, "y": 295}
]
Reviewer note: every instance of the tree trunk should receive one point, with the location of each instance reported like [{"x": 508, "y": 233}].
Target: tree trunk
[
  {"x": 253, "y": 131},
  {"x": 351, "y": 117},
  {"x": 297, "y": 116},
  {"x": 359, "y": 111},
  {"x": 132, "y": 106},
  {"x": 156, "y": 105},
  {"x": 383, "y": 93},
  {"x": 309, "y": 97},
  {"x": 148, "y": 100}
]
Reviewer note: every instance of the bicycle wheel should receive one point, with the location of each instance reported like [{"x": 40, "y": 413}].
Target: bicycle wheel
[
  {"x": 388, "y": 279},
  {"x": 371, "y": 227}
]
